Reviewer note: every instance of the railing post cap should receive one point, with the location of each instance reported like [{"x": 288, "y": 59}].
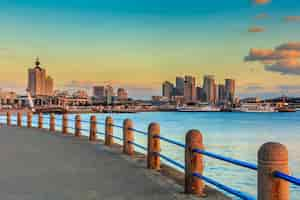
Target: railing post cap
[
  {"x": 77, "y": 117},
  {"x": 128, "y": 121},
  {"x": 108, "y": 118},
  {"x": 154, "y": 127},
  {"x": 93, "y": 118},
  {"x": 52, "y": 115},
  {"x": 272, "y": 151},
  {"x": 194, "y": 135}
]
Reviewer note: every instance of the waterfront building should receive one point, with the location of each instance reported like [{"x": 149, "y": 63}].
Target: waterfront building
[
  {"x": 209, "y": 87},
  {"x": 122, "y": 94},
  {"x": 221, "y": 93},
  {"x": 189, "y": 89},
  {"x": 179, "y": 90},
  {"x": 200, "y": 94},
  {"x": 99, "y": 92},
  {"x": 109, "y": 94},
  {"x": 167, "y": 89},
  {"x": 38, "y": 81},
  {"x": 230, "y": 90}
]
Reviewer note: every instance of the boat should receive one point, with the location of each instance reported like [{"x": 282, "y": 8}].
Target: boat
[
  {"x": 198, "y": 109},
  {"x": 257, "y": 108}
]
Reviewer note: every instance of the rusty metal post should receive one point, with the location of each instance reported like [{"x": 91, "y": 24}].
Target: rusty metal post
[
  {"x": 272, "y": 157},
  {"x": 153, "y": 158},
  {"x": 128, "y": 136},
  {"x": 194, "y": 163},
  {"x": 65, "y": 124},
  {"x": 19, "y": 119},
  {"x": 52, "y": 122},
  {"x": 93, "y": 128},
  {"x": 29, "y": 119},
  {"x": 8, "y": 118},
  {"x": 78, "y": 126},
  {"x": 41, "y": 120},
  {"x": 109, "y": 131}
]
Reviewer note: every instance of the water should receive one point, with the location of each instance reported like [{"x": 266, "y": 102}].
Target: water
[{"x": 236, "y": 135}]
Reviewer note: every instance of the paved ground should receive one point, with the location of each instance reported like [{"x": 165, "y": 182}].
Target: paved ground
[{"x": 37, "y": 165}]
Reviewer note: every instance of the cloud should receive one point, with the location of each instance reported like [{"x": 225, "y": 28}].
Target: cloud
[
  {"x": 262, "y": 16},
  {"x": 289, "y": 46},
  {"x": 292, "y": 19},
  {"x": 283, "y": 59},
  {"x": 269, "y": 55},
  {"x": 285, "y": 67},
  {"x": 260, "y": 2},
  {"x": 256, "y": 30}
]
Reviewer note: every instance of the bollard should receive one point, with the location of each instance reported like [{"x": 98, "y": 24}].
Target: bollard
[
  {"x": 29, "y": 119},
  {"x": 93, "y": 128},
  {"x": 41, "y": 120},
  {"x": 194, "y": 163},
  {"x": 128, "y": 136},
  {"x": 153, "y": 158},
  {"x": 272, "y": 157},
  {"x": 65, "y": 124},
  {"x": 52, "y": 122},
  {"x": 8, "y": 118},
  {"x": 77, "y": 126},
  {"x": 109, "y": 131},
  {"x": 19, "y": 119}
]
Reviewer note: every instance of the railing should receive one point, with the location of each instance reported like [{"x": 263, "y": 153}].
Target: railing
[{"x": 272, "y": 169}]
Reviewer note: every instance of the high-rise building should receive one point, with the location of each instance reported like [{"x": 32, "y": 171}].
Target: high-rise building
[
  {"x": 189, "y": 89},
  {"x": 167, "y": 89},
  {"x": 230, "y": 90},
  {"x": 99, "y": 91},
  {"x": 222, "y": 94},
  {"x": 38, "y": 81},
  {"x": 200, "y": 94},
  {"x": 49, "y": 86},
  {"x": 122, "y": 94},
  {"x": 109, "y": 93},
  {"x": 179, "y": 86},
  {"x": 209, "y": 87}
]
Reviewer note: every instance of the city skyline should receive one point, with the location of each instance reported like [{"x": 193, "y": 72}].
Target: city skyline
[{"x": 85, "y": 43}]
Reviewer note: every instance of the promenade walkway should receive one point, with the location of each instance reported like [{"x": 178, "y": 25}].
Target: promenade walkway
[{"x": 36, "y": 165}]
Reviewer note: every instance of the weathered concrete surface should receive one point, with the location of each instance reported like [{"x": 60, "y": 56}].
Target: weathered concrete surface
[{"x": 36, "y": 165}]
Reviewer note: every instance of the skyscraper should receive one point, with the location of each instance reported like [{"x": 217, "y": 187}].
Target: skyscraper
[
  {"x": 222, "y": 94},
  {"x": 122, "y": 94},
  {"x": 209, "y": 87},
  {"x": 230, "y": 90},
  {"x": 179, "y": 86},
  {"x": 99, "y": 92},
  {"x": 190, "y": 89},
  {"x": 167, "y": 89},
  {"x": 38, "y": 83}
]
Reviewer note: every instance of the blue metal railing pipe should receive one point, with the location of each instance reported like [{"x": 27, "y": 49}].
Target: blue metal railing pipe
[
  {"x": 225, "y": 188},
  {"x": 170, "y": 141},
  {"x": 287, "y": 177},
  {"x": 226, "y": 159},
  {"x": 138, "y": 145}
]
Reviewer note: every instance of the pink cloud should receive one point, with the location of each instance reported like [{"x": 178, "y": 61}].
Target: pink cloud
[
  {"x": 292, "y": 19},
  {"x": 256, "y": 30},
  {"x": 285, "y": 67},
  {"x": 261, "y": 2}
]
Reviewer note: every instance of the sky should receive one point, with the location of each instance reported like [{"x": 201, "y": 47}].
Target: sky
[{"x": 138, "y": 44}]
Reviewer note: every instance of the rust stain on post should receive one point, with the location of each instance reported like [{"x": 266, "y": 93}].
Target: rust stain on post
[
  {"x": 153, "y": 159},
  {"x": 128, "y": 136},
  {"x": 194, "y": 163},
  {"x": 272, "y": 157},
  {"x": 52, "y": 122},
  {"x": 40, "y": 121},
  {"x": 29, "y": 119},
  {"x": 77, "y": 126},
  {"x": 8, "y": 118},
  {"x": 93, "y": 128},
  {"x": 109, "y": 131},
  {"x": 19, "y": 119},
  {"x": 65, "y": 124}
]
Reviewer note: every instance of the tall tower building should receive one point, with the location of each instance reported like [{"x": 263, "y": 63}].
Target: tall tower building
[
  {"x": 209, "y": 87},
  {"x": 179, "y": 86},
  {"x": 122, "y": 94},
  {"x": 230, "y": 90},
  {"x": 190, "y": 94},
  {"x": 38, "y": 83},
  {"x": 167, "y": 89},
  {"x": 222, "y": 94}
]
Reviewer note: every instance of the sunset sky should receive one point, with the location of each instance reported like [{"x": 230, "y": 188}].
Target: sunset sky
[{"x": 138, "y": 44}]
